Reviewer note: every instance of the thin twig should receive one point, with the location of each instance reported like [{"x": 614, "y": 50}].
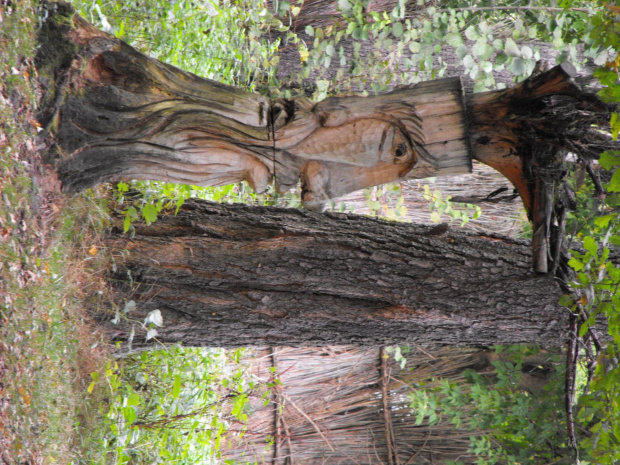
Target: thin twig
[
  {"x": 598, "y": 187},
  {"x": 424, "y": 352},
  {"x": 277, "y": 413},
  {"x": 389, "y": 430},
  {"x": 288, "y": 440},
  {"x": 318, "y": 430},
  {"x": 569, "y": 387},
  {"x": 428, "y": 436},
  {"x": 587, "y": 345}
]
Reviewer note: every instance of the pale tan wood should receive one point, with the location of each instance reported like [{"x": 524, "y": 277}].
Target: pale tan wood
[{"x": 129, "y": 116}]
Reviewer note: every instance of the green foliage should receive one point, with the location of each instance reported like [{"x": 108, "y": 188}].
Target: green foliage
[
  {"x": 212, "y": 38},
  {"x": 596, "y": 287},
  {"x": 487, "y": 38},
  {"x": 386, "y": 201},
  {"x": 596, "y": 296},
  {"x": 166, "y": 406},
  {"x": 509, "y": 424},
  {"x": 440, "y": 206},
  {"x": 399, "y": 355}
]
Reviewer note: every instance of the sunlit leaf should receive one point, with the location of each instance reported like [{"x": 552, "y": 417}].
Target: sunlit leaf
[{"x": 154, "y": 317}]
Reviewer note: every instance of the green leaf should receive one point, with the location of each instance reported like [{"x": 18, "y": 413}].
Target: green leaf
[
  {"x": 601, "y": 58},
  {"x": 480, "y": 48},
  {"x": 344, "y": 6},
  {"x": 130, "y": 215},
  {"x": 461, "y": 51},
  {"x": 130, "y": 414},
  {"x": 154, "y": 318},
  {"x": 609, "y": 160},
  {"x": 414, "y": 47},
  {"x": 150, "y": 334},
  {"x": 512, "y": 49},
  {"x": 91, "y": 386},
  {"x": 615, "y": 125},
  {"x": 149, "y": 213},
  {"x": 129, "y": 306},
  {"x": 176, "y": 389},
  {"x": 472, "y": 33},
  {"x": 397, "y": 29},
  {"x": 454, "y": 39},
  {"x": 590, "y": 245},
  {"x": 575, "y": 264},
  {"x": 566, "y": 300},
  {"x": 133, "y": 399},
  {"x": 614, "y": 183},
  {"x": 603, "y": 221},
  {"x": 517, "y": 67},
  {"x": 468, "y": 62},
  {"x": 330, "y": 50}
]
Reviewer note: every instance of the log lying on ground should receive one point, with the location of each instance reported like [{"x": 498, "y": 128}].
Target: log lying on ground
[{"x": 246, "y": 276}]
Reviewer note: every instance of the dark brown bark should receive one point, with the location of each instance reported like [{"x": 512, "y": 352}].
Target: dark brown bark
[{"x": 245, "y": 276}]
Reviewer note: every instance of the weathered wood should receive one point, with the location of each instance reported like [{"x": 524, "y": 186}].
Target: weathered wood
[
  {"x": 245, "y": 276},
  {"x": 121, "y": 115},
  {"x": 498, "y": 136},
  {"x": 526, "y": 133},
  {"x": 127, "y": 116}
]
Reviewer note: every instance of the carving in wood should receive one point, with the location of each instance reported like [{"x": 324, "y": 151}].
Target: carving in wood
[
  {"x": 129, "y": 116},
  {"x": 120, "y": 115}
]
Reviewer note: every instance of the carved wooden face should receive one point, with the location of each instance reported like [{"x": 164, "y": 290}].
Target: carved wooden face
[
  {"x": 352, "y": 156},
  {"x": 364, "y": 142}
]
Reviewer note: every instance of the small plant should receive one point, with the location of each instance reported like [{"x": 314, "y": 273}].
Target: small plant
[
  {"x": 509, "y": 424},
  {"x": 386, "y": 201},
  {"x": 167, "y": 406},
  {"x": 440, "y": 205}
]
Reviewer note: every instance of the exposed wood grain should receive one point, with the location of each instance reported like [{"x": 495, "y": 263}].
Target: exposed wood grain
[{"x": 127, "y": 116}]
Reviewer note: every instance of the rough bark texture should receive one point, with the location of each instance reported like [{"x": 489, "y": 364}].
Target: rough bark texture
[{"x": 241, "y": 276}]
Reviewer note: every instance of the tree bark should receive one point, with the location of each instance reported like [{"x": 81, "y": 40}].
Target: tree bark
[{"x": 246, "y": 276}]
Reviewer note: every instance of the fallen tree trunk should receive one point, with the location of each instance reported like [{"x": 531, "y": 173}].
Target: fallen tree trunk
[{"x": 246, "y": 276}]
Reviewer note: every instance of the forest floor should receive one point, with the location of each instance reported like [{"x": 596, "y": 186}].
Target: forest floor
[{"x": 48, "y": 348}]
